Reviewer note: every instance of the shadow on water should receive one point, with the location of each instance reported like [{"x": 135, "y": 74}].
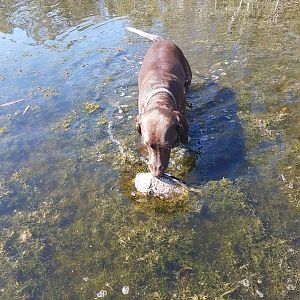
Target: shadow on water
[{"x": 216, "y": 134}]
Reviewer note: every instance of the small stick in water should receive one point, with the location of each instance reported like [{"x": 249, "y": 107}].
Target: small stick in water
[
  {"x": 11, "y": 103},
  {"x": 27, "y": 107}
]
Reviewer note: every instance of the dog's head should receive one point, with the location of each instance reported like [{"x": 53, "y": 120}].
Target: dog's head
[{"x": 161, "y": 130}]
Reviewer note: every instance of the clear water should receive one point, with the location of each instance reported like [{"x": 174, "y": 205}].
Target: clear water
[{"x": 71, "y": 228}]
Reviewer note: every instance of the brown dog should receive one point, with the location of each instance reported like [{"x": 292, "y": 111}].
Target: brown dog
[{"x": 163, "y": 79}]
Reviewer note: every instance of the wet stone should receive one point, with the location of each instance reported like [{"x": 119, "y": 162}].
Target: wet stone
[{"x": 165, "y": 186}]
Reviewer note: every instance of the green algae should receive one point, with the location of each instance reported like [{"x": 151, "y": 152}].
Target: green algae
[
  {"x": 46, "y": 92},
  {"x": 67, "y": 121},
  {"x": 71, "y": 228},
  {"x": 3, "y": 130},
  {"x": 149, "y": 249},
  {"x": 102, "y": 121},
  {"x": 91, "y": 107},
  {"x": 16, "y": 176},
  {"x": 109, "y": 78}
]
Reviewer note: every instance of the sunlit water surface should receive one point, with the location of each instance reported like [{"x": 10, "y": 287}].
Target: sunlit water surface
[{"x": 72, "y": 226}]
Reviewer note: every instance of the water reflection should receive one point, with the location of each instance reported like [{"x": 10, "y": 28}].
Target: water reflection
[
  {"x": 44, "y": 21},
  {"x": 68, "y": 229}
]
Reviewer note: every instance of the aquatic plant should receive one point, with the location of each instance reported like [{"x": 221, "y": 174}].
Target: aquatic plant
[
  {"x": 91, "y": 107},
  {"x": 71, "y": 224}
]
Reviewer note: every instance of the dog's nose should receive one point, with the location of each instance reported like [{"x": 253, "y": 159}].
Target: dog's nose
[{"x": 157, "y": 171}]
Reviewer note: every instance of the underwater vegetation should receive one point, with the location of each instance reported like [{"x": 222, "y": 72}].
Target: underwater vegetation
[{"x": 72, "y": 224}]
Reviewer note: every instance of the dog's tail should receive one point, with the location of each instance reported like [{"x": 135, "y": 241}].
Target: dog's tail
[{"x": 146, "y": 35}]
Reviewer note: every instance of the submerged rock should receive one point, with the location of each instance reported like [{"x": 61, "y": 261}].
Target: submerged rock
[{"x": 165, "y": 186}]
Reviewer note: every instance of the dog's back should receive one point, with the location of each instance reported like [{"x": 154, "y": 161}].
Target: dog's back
[{"x": 165, "y": 66}]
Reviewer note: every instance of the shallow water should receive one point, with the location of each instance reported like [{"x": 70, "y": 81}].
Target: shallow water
[{"x": 71, "y": 226}]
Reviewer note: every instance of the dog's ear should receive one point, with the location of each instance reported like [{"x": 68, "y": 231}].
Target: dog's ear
[
  {"x": 183, "y": 127},
  {"x": 138, "y": 124}
]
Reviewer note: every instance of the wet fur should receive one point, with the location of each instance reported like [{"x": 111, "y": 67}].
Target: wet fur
[{"x": 161, "y": 121}]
